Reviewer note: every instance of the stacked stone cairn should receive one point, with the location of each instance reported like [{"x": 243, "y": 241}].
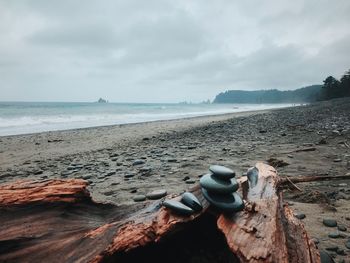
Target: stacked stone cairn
[{"x": 219, "y": 188}]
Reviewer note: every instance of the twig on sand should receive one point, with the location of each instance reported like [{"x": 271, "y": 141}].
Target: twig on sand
[
  {"x": 312, "y": 178},
  {"x": 293, "y": 184}
]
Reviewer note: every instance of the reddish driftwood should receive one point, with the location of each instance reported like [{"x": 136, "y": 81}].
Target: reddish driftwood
[
  {"x": 266, "y": 231},
  {"x": 56, "y": 221}
]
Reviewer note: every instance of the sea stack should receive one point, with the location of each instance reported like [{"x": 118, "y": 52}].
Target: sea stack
[{"x": 219, "y": 188}]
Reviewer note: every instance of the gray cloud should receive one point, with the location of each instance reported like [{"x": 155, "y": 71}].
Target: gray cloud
[{"x": 167, "y": 50}]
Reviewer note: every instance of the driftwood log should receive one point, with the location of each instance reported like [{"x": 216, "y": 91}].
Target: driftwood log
[{"x": 57, "y": 221}]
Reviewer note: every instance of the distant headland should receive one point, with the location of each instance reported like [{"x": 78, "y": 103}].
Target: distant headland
[{"x": 331, "y": 89}]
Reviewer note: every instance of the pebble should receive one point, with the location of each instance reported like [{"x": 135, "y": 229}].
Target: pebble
[
  {"x": 332, "y": 248},
  {"x": 334, "y": 235},
  {"x": 330, "y": 222},
  {"x": 315, "y": 240},
  {"x": 222, "y": 172},
  {"x": 342, "y": 228},
  {"x": 129, "y": 175},
  {"x": 139, "y": 198},
  {"x": 156, "y": 194},
  {"x": 347, "y": 244},
  {"x": 337, "y": 160},
  {"x": 138, "y": 162},
  {"x": 325, "y": 257},
  {"x": 191, "y": 201},
  {"x": 213, "y": 184},
  {"x": 146, "y": 169},
  {"x": 341, "y": 251},
  {"x": 110, "y": 173},
  {"x": 86, "y": 176},
  {"x": 178, "y": 207},
  {"x": 300, "y": 216},
  {"x": 37, "y": 172},
  {"x": 190, "y": 181}
]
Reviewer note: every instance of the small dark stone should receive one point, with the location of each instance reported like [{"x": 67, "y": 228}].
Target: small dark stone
[
  {"x": 316, "y": 240},
  {"x": 146, "y": 169},
  {"x": 342, "y": 228},
  {"x": 110, "y": 173},
  {"x": 145, "y": 139},
  {"x": 190, "y": 181},
  {"x": 156, "y": 194},
  {"x": 108, "y": 192},
  {"x": 139, "y": 198},
  {"x": 191, "y": 201},
  {"x": 172, "y": 160},
  {"x": 341, "y": 251},
  {"x": 347, "y": 244},
  {"x": 186, "y": 178},
  {"x": 334, "y": 235},
  {"x": 325, "y": 257},
  {"x": 300, "y": 216},
  {"x": 129, "y": 175},
  {"x": 330, "y": 222},
  {"x": 178, "y": 207},
  {"x": 332, "y": 248},
  {"x": 322, "y": 141},
  {"x": 138, "y": 162},
  {"x": 36, "y": 172}
]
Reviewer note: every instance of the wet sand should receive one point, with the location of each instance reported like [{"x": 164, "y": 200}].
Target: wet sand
[{"x": 172, "y": 155}]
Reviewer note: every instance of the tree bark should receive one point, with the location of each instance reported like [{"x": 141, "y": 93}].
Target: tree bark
[{"x": 57, "y": 221}]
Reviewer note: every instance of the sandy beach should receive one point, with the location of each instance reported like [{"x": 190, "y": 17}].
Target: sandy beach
[{"x": 123, "y": 161}]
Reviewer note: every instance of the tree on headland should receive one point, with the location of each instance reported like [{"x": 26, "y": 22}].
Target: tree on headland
[
  {"x": 333, "y": 88},
  {"x": 330, "y": 88},
  {"x": 345, "y": 83}
]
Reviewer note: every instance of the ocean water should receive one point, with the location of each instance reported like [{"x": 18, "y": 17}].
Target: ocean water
[{"x": 33, "y": 117}]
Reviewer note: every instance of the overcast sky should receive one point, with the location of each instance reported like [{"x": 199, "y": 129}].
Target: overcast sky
[{"x": 167, "y": 51}]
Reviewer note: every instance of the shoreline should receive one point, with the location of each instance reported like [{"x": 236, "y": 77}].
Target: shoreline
[
  {"x": 49, "y": 124},
  {"x": 229, "y": 115},
  {"x": 53, "y": 144}
]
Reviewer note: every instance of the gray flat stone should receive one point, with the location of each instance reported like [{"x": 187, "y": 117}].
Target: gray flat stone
[
  {"x": 191, "y": 201},
  {"x": 138, "y": 162},
  {"x": 347, "y": 244},
  {"x": 139, "y": 198},
  {"x": 325, "y": 257},
  {"x": 334, "y": 235},
  {"x": 329, "y": 222},
  {"x": 222, "y": 172},
  {"x": 300, "y": 215},
  {"x": 226, "y": 202},
  {"x": 178, "y": 207},
  {"x": 214, "y": 184},
  {"x": 156, "y": 194},
  {"x": 253, "y": 175},
  {"x": 342, "y": 228}
]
